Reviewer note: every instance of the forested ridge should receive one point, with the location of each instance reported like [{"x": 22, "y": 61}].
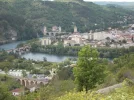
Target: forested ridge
[{"x": 28, "y": 17}]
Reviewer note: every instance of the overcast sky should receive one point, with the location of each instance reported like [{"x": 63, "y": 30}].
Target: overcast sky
[{"x": 112, "y": 0}]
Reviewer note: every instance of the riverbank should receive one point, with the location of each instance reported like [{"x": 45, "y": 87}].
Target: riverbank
[{"x": 2, "y": 42}]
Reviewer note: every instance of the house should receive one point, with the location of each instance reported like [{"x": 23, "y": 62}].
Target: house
[
  {"x": 132, "y": 27},
  {"x": 17, "y": 92},
  {"x": 38, "y": 76},
  {"x": 69, "y": 42},
  {"x": 32, "y": 88},
  {"x": 56, "y": 29},
  {"x": 85, "y": 36}
]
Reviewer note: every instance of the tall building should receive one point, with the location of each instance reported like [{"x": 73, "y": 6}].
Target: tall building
[
  {"x": 75, "y": 29},
  {"x": 44, "y": 30},
  {"x": 59, "y": 29}
]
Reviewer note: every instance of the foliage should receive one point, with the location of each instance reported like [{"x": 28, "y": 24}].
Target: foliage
[
  {"x": 65, "y": 73},
  {"x": 88, "y": 72},
  {"x": 125, "y": 93},
  {"x": 5, "y": 94},
  {"x": 9, "y": 82},
  {"x": 51, "y": 91}
]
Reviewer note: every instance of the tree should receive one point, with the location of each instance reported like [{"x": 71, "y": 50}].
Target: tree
[
  {"x": 5, "y": 94},
  {"x": 24, "y": 73},
  {"x": 6, "y": 70},
  {"x": 88, "y": 72},
  {"x": 45, "y": 59}
]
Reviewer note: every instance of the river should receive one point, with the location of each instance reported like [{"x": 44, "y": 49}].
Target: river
[
  {"x": 35, "y": 56},
  {"x": 9, "y": 46},
  {"x": 49, "y": 57}
]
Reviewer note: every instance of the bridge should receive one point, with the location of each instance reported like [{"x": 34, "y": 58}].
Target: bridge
[
  {"x": 31, "y": 81},
  {"x": 54, "y": 33},
  {"x": 19, "y": 50}
]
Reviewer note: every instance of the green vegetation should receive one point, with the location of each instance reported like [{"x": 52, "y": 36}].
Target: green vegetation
[
  {"x": 26, "y": 18},
  {"x": 125, "y": 93},
  {"x": 14, "y": 62},
  {"x": 104, "y": 52},
  {"x": 5, "y": 94},
  {"x": 90, "y": 74},
  {"x": 88, "y": 71}
]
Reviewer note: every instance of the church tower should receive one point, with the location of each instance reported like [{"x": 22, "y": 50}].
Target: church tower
[{"x": 75, "y": 29}]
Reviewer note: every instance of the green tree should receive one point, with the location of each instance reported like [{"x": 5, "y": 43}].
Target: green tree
[
  {"x": 24, "y": 73},
  {"x": 5, "y": 94},
  {"x": 88, "y": 72}
]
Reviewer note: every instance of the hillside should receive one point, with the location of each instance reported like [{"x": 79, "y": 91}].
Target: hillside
[{"x": 26, "y": 18}]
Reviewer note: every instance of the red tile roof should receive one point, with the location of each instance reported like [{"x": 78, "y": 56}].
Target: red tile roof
[{"x": 17, "y": 90}]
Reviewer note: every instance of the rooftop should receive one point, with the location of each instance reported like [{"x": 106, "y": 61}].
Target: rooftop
[{"x": 17, "y": 90}]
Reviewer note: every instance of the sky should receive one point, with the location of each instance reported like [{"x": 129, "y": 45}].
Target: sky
[{"x": 112, "y": 0}]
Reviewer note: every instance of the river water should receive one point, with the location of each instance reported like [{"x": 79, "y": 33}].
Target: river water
[
  {"x": 35, "y": 56},
  {"x": 10, "y": 45},
  {"x": 49, "y": 57}
]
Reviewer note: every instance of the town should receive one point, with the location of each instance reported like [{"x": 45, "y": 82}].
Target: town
[{"x": 112, "y": 38}]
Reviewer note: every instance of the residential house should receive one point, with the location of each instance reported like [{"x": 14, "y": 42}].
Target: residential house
[
  {"x": 32, "y": 88},
  {"x": 17, "y": 92},
  {"x": 132, "y": 27}
]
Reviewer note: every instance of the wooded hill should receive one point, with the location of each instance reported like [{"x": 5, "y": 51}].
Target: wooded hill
[{"x": 28, "y": 17}]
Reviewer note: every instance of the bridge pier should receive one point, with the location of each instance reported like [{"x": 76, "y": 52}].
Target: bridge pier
[
  {"x": 29, "y": 82},
  {"x": 25, "y": 83},
  {"x": 21, "y": 81}
]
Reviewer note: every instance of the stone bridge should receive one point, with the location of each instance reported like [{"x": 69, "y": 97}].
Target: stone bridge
[
  {"x": 54, "y": 33},
  {"x": 28, "y": 82}
]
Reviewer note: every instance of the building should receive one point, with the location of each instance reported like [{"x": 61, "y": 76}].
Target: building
[
  {"x": 32, "y": 88},
  {"x": 69, "y": 42},
  {"x": 44, "y": 30},
  {"x": 100, "y": 35},
  {"x": 17, "y": 92},
  {"x": 56, "y": 29},
  {"x": 86, "y": 36},
  {"x": 75, "y": 39},
  {"x": 47, "y": 41},
  {"x": 18, "y": 73},
  {"x": 75, "y": 29},
  {"x": 132, "y": 27}
]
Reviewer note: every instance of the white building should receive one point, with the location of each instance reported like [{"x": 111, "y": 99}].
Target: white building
[
  {"x": 44, "y": 30},
  {"x": 85, "y": 35},
  {"x": 101, "y": 35},
  {"x": 74, "y": 39},
  {"x": 47, "y": 41},
  {"x": 18, "y": 73}
]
